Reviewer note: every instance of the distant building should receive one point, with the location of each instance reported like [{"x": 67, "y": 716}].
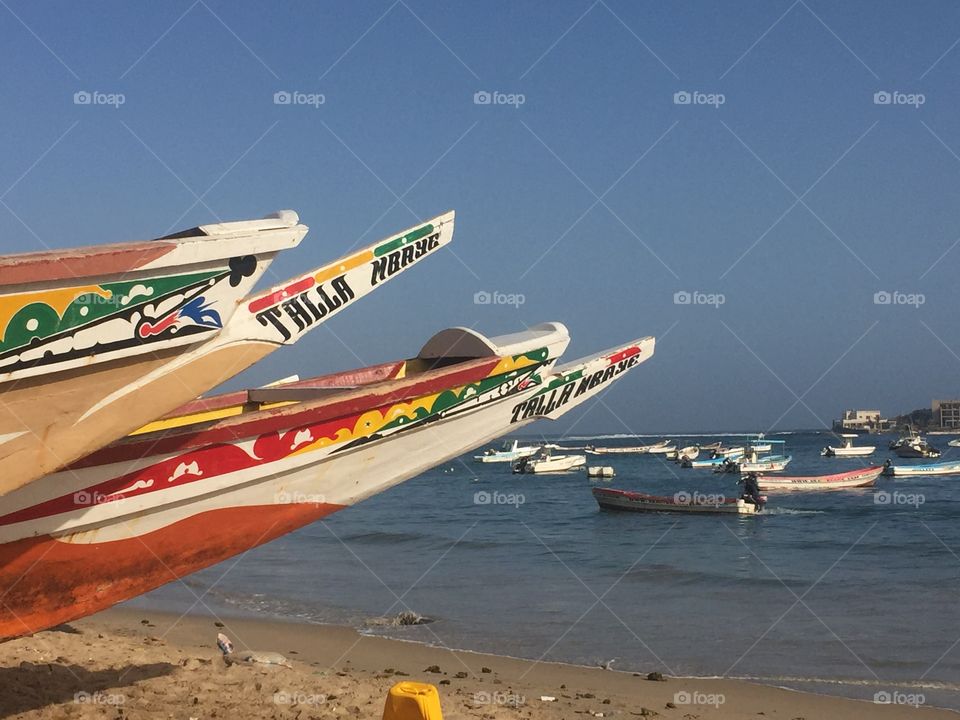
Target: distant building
[
  {"x": 861, "y": 421},
  {"x": 946, "y": 413}
]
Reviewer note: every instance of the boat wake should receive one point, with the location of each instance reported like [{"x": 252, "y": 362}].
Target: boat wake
[{"x": 788, "y": 511}]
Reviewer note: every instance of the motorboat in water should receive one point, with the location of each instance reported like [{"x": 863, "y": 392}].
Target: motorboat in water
[
  {"x": 682, "y": 502},
  {"x": 544, "y": 461},
  {"x": 839, "y": 481},
  {"x": 941, "y": 468},
  {"x": 847, "y": 448},
  {"x": 228, "y": 473}
]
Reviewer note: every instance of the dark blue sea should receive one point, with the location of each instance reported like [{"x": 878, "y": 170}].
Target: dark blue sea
[{"x": 851, "y": 592}]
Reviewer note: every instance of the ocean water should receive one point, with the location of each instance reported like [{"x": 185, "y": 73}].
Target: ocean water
[{"x": 850, "y": 592}]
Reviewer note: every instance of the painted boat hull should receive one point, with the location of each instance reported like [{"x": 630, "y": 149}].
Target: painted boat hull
[
  {"x": 610, "y": 499},
  {"x": 86, "y": 408},
  {"x": 68, "y": 342},
  {"x": 840, "y": 481},
  {"x": 931, "y": 469},
  {"x": 123, "y": 522}
]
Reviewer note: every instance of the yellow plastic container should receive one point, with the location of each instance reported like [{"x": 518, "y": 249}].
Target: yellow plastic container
[{"x": 412, "y": 701}]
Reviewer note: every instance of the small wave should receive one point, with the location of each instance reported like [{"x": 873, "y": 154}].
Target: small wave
[
  {"x": 849, "y": 682},
  {"x": 401, "y": 619}
]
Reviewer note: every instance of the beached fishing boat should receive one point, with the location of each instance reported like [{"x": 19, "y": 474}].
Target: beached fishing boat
[
  {"x": 96, "y": 406},
  {"x": 840, "y": 481},
  {"x": 232, "y": 472},
  {"x": 511, "y": 451},
  {"x": 941, "y": 468},
  {"x": 847, "y": 448},
  {"x": 76, "y": 324},
  {"x": 631, "y": 450},
  {"x": 610, "y": 499}
]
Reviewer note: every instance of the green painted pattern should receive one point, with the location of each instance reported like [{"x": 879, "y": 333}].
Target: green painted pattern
[
  {"x": 449, "y": 398},
  {"x": 410, "y": 237},
  {"x": 39, "y": 321}
]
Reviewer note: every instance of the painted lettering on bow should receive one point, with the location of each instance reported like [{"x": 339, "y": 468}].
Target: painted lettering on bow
[
  {"x": 396, "y": 261},
  {"x": 545, "y": 403},
  {"x": 297, "y": 314}
]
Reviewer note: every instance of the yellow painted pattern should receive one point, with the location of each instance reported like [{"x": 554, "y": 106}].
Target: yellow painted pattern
[
  {"x": 349, "y": 264},
  {"x": 202, "y": 417},
  {"x": 59, "y": 300},
  {"x": 372, "y": 421}
]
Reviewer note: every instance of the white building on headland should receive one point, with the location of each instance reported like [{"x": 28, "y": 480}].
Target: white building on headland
[
  {"x": 946, "y": 413},
  {"x": 861, "y": 421}
]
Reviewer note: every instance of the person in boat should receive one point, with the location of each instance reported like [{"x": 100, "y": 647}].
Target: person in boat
[{"x": 751, "y": 490}]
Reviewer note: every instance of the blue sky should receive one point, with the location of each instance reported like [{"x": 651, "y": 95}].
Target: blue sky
[{"x": 783, "y": 187}]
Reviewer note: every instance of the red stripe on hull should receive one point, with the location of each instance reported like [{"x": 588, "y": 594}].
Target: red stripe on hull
[
  {"x": 46, "y": 582},
  {"x": 285, "y": 418},
  {"x": 79, "y": 264}
]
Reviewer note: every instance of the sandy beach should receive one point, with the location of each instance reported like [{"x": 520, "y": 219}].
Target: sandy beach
[{"x": 142, "y": 664}]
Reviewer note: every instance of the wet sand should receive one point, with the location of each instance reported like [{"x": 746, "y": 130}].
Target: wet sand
[{"x": 141, "y": 664}]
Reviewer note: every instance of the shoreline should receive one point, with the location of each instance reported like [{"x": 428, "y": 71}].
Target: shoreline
[{"x": 153, "y": 664}]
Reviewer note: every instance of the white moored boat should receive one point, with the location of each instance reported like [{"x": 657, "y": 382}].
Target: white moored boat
[
  {"x": 942, "y": 468},
  {"x": 848, "y": 449},
  {"x": 666, "y": 449},
  {"x": 546, "y": 462},
  {"x": 610, "y": 499},
  {"x": 511, "y": 451},
  {"x": 840, "y": 481},
  {"x": 629, "y": 450}
]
